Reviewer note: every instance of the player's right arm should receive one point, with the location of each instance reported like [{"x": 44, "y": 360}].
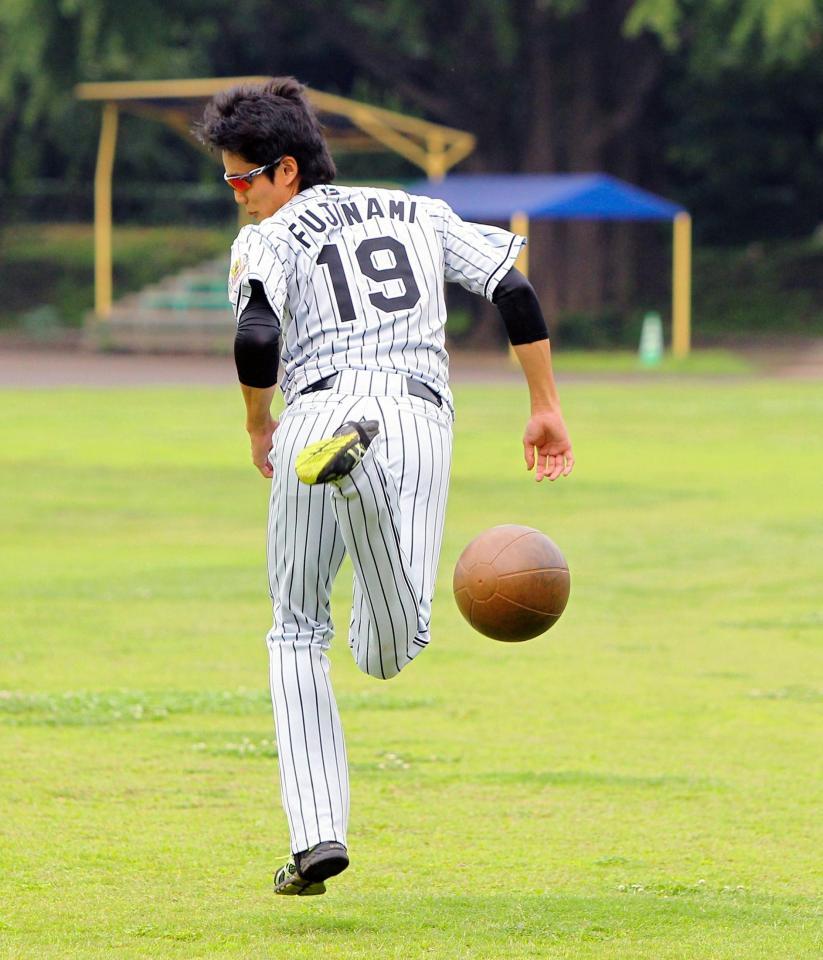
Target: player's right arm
[
  {"x": 260, "y": 426},
  {"x": 254, "y": 291},
  {"x": 256, "y": 356}
]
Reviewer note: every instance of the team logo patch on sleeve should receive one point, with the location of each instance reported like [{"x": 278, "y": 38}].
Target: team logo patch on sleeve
[{"x": 239, "y": 269}]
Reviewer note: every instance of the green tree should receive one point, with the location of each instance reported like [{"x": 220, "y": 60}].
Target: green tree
[
  {"x": 639, "y": 88},
  {"x": 740, "y": 106},
  {"x": 47, "y": 46},
  {"x": 576, "y": 85},
  {"x": 724, "y": 33},
  {"x": 546, "y": 85}
]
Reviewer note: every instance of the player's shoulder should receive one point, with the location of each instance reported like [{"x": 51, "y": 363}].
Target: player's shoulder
[
  {"x": 357, "y": 190},
  {"x": 426, "y": 208},
  {"x": 264, "y": 242},
  {"x": 269, "y": 231},
  {"x": 431, "y": 206},
  {"x": 364, "y": 191}
]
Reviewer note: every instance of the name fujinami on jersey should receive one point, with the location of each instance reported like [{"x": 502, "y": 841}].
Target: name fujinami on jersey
[
  {"x": 346, "y": 214},
  {"x": 355, "y": 275}
]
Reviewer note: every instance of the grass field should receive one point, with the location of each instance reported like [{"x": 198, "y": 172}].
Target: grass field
[{"x": 641, "y": 783}]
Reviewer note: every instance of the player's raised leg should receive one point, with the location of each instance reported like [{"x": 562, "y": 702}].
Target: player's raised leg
[
  {"x": 365, "y": 502},
  {"x": 390, "y": 509},
  {"x": 366, "y": 505}
]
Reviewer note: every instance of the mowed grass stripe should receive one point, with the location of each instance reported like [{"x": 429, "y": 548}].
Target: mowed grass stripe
[{"x": 641, "y": 782}]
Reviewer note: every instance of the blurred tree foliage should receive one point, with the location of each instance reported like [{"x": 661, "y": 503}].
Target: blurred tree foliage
[
  {"x": 726, "y": 33},
  {"x": 46, "y": 46},
  {"x": 739, "y": 110},
  {"x": 714, "y": 102},
  {"x": 546, "y": 84}
]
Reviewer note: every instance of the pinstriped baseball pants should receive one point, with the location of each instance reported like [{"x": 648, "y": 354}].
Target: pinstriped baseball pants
[{"x": 388, "y": 515}]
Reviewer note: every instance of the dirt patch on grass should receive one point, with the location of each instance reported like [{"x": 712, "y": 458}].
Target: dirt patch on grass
[{"x": 62, "y": 363}]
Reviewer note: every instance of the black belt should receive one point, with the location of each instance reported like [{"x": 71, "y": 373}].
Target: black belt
[{"x": 415, "y": 388}]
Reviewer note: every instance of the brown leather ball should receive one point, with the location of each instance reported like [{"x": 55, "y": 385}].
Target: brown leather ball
[{"x": 511, "y": 583}]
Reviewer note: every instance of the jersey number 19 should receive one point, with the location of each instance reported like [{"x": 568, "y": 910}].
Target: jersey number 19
[{"x": 402, "y": 270}]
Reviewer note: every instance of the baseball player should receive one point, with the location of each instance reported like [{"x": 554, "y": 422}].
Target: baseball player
[{"x": 351, "y": 279}]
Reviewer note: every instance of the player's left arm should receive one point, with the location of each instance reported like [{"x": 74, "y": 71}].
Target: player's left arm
[{"x": 546, "y": 442}]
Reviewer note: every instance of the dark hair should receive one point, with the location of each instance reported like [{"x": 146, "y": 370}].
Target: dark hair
[{"x": 261, "y": 122}]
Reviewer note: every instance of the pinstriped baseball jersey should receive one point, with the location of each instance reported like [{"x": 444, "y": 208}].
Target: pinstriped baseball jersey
[{"x": 355, "y": 276}]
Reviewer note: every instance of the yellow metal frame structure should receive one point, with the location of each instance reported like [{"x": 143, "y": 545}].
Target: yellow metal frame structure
[
  {"x": 682, "y": 285},
  {"x": 102, "y": 209},
  {"x": 681, "y": 276},
  {"x": 432, "y": 147}
]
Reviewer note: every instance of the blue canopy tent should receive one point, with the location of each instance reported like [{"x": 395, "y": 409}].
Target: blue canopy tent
[{"x": 519, "y": 198}]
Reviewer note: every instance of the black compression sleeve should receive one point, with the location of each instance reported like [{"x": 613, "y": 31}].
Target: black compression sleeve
[
  {"x": 517, "y": 302},
  {"x": 257, "y": 341}
]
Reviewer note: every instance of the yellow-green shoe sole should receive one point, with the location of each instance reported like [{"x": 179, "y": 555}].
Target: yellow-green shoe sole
[{"x": 316, "y": 463}]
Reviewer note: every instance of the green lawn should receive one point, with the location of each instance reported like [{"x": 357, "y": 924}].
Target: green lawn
[
  {"x": 698, "y": 362},
  {"x": 641, "y": 783}
]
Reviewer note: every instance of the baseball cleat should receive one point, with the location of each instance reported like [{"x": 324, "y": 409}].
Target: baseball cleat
[
  {"x": 305, "y": 873},
  {"x": 334, "y": 457}
]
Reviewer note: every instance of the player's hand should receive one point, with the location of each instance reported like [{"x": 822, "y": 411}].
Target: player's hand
[
  {"x": 261, "y": 444},
  {"x": 546, "y": 444}
]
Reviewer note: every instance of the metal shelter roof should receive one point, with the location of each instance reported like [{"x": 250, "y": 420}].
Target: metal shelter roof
[
  {"x": 349, "y": 124},
  {"x": 562, "y": 196},
  {"x": 520, "y": 198}
]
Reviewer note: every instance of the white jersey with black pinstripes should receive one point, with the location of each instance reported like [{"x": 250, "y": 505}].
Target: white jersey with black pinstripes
[{"x": 355, "y": 275}]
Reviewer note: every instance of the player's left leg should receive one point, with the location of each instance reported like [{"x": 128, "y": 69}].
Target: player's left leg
[
  {"x": 391, "y": 511},
  {"x": 388, "y": 492}
]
